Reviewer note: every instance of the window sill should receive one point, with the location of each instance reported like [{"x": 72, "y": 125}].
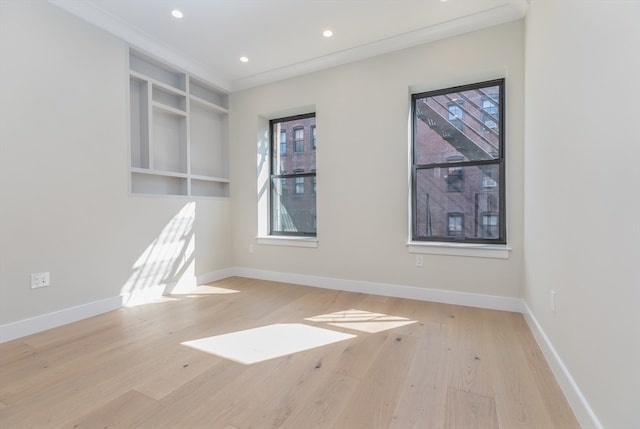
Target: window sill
[
  {"x": 462, "y": 249},
  {"x": 273, "y": 240}
]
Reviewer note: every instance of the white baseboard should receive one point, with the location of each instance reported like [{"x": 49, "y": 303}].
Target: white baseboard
[
  {"x": 33, "y": 325},
  {"x": 385, "y": 289},
  {"x": 577, "y": 401},
  {"x": 214, "y": 276}
]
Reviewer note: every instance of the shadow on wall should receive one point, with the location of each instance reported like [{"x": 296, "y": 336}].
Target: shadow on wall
[{"x": 167, "y": 265}]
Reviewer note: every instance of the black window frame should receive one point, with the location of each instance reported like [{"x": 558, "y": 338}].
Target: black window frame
[
  {"x": 499, "y": 161},
  {"x": 273, "y": 145}
]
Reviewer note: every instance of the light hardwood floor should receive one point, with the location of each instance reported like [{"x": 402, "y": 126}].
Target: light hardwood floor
[{"x": 406, "y": 364}]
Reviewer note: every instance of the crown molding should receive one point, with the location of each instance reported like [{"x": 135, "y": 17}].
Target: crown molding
[
  {"x": 504, "y": 13},
  {"x": 509, "y": 11},
  {"x": 140, "y": 40}
]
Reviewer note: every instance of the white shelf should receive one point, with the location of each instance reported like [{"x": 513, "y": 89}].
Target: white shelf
[
  {"x": 160, "y": 84},
  {"x": 209, "y": 178},
  {"x": 179, "y": 132},
  {"x": 169, "y": 109},
  {"x": 208, "y": 104},
  {"x": 159, "y": 172}
]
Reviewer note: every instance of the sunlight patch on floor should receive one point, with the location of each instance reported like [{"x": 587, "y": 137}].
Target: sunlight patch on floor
[
  {"x": 361, "y": 320},
  {"x": 267, "y": 342}
]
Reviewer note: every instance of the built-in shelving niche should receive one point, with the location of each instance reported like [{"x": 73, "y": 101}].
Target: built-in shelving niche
[{"x": 179, "y": 132}]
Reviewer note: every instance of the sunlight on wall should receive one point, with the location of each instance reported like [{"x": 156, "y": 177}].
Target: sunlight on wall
[
  {"x": 167, "y": 264},
  {"x": 263, "y": 177},
  {"x": 267, "y": 342},
  {"x": 361, "y": 320}
]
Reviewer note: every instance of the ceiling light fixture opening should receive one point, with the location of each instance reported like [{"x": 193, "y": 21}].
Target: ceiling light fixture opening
[
  {"x": 177, "y": 14},
  {"x": 244, "y": 59},
  {"x": 327, "y": 33}
]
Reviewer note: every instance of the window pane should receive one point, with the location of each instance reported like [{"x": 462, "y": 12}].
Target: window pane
[
  {"x": 298, "y": 135},
  {"x": 471, "y": 211},
  {"x": 299, "y": 185},
  {"x": 289, "y": 136},
  {"x": 464, "y": 124},
  {"x": 283, "y": 142},
  {"x": 490, "y": 225},
  {"x": 292, "y": 211}
]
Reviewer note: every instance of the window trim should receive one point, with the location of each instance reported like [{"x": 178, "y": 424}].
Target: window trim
[
  {"x": 501, "y": 240},
  {"x": 495, "y": 251}
]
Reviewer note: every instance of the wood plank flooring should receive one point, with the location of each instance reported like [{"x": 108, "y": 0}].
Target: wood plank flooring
[{"x": 406, "y": 364}]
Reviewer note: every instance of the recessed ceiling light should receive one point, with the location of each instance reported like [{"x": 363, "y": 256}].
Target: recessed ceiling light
[
  {"x": 327, "y": 33},
  {"x": 244, "y": 59},
  {"x": 177, "y": 14}
]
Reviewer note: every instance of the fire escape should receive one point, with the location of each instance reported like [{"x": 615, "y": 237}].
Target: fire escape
[
  {"x": 469, "y": 122},
  {"x": 467, "y": 132}
]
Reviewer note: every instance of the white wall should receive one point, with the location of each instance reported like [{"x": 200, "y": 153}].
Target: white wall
[
  {"x": 64, "y": 206},
  {"x": 362, "y": 161},
  {"x": 582, "y": 203},
  {"x": 64, "y": 202}
]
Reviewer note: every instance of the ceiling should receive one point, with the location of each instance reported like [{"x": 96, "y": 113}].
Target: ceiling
[{"x": 283, "y": 38}]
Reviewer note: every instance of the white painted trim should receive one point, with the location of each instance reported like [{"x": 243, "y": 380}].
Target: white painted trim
[
  {"x": 500, "y": 14},
  {"x": 288, "y": 241},
  {"x": 33, "y": 325},
  {"x": 509, "y": 11},
  {"x": 214, "y": 276},
  {"x": 455, "y": 249},
  {"x": 572, "y": 392},
  {"x": 141, "y": 41},
  {"x": 576, "y": 399},
  {"x": 385, "y": 289},
  {"x": 36, "y": 324}
]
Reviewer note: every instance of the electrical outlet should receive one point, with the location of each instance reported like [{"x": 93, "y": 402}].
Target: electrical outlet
[
  {"x": 419, "y": 261},
  {"x": 39, "y": 280},
  {"x": 552, "y": 301}
]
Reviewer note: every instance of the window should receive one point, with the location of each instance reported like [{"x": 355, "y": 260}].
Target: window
[
  {"x": 283, "y": 142},
  {"x": 313, "y": 137},
  {"x": 456, "y": 115},
  {"x": 489, "y": 225},
  {"x": 299, "y": 185},
  {"x": 455, "y": 225},
  {"x": 490, "y": 112},
  {"x": 293, "y": 211},
  {"x": 298, "y": 138},
  {"x": 455, "y": 175},
  {"x": 458, "y": 181}
]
